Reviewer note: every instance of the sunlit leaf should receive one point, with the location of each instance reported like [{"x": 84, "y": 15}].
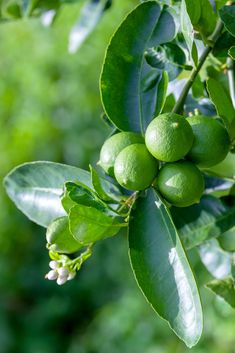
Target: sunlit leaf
[
  {"x": 36, "y": 187},
  {"x": 161, "y": 268}
]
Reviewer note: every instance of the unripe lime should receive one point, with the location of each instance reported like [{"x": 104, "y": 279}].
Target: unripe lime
[
  {"x": 135, "y": 168},
  {"x": 169, "y": 137},
  {"x": 211, "y": 141},
  {"x": 180, "y": 183},
  {"x": 59, "y": 238},
  {"x": 113, "y": 146},
  {"x": 227, "y": 240}
]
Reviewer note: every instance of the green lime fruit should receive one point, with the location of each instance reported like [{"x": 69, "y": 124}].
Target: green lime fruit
[
  {"x": 113, "y": 146},
  {"x": 135, "y": 168},
  {"x": 211, "y": 141},
  {"x": 59, "y": 238},
  {"x": 169, "y": 137},
  {"x": 180, "y": 183}
]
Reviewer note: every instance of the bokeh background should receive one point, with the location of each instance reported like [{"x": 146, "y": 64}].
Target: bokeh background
[{"x": 50, "y": 110}]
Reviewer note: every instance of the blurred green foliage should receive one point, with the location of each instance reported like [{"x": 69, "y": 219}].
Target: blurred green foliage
[{"x": 50, "y": 110}]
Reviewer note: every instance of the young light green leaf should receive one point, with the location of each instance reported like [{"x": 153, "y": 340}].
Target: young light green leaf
[
  {"x": 215, "y": 259},
  {"x": 208, "y": 219},
  {"x": 224, "y": 288},
  {"x": 227, "y": 15},
  {"x": 88, "y": 224},
  {"x": 60, "y": 239},
  {"x": 124, "y": 98},
  {"x": 90, "y": 16},
  {"x": 223, "y": 104},
  {"x": 36, "y": 187},
  {"x": 161, "y": 268}
]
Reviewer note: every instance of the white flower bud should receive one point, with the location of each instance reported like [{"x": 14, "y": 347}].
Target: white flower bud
[
  {"x": 63, "y": 272},
  {"x": 53, "y": 264},
  {"x": 71, "y": 275},
  {"x": 51, "y": 275},
  {"x": 61, "y": 280}
]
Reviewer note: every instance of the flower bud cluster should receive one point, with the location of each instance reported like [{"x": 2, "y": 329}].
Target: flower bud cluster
[{"x": 59, "y": 273}]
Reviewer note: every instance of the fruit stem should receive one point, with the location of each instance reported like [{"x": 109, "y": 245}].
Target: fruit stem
[
  {"x": 231, "y": 79},
  {"x": 178, "y": 108}
]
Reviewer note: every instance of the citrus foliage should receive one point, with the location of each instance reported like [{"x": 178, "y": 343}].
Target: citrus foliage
[{"x": 155, "y": 67}]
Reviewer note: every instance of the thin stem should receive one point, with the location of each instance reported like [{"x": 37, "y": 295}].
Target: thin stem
[
  {"x": 211, "y": 40},
  {"x": 231, "y": 79}
]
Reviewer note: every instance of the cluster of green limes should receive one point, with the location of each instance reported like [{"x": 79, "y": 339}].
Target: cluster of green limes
[{"x": 182, "y": 145}]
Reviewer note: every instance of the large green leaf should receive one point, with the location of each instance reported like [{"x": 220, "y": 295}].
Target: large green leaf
[
  {"x": 161, "y": 268},
  {"x": 224, "y": 288},
  {"x": 124, "y": 69},
  {"x": 208, "y": 219},
  {"x": 36, "y": 188},
  {"x": 231, "y": 52},
  {"x": 88, "y": 224},
  {"x": 227, "y": 15},
  {"x": 215, "y": 259},
  {"x": 223, "y": 104}
]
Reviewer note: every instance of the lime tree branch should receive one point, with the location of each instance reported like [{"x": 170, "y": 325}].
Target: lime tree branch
[{"x": 211, "y": 40}]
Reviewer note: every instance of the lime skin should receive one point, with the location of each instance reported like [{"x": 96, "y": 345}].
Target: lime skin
[
  {"x": 135, "y": 168},
  {"x": 180, "y": 183},
  {"x": 211, "y": 141},
  {"x": 169, "y": 137},
  {"x": 113, "y": 146}
]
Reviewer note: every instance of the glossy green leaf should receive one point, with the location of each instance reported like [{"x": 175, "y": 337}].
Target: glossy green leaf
[
  {"x": 36, "y": 187},
  {"x": 77, "y": 193},
  {"x": 217, "y": 186},
  {"x": 224, "y": 288},
  {"x": 223, "y": 44},
  {"x": 187, "y": 30},
  {"x": 124, "y": 98},
  {"x": 200, "y": 222},
  {"x": 166, "y": 28},
  {"x": 59, "y": 238},
  {"x": 161, "y": 268},
  {"x": 194, "y": 10},
  {"x": 207, "y": 21},
  {"x": 223, "y": 104},
  {"x": 88, "y": 224},
  {"x": 215, "y": 259},
  {"x": 99, "y": 188},
  {"x": 169, "y": 57},
  {"x": 227, "y": 15},
  {"x": 231, "y": 52},
  {"x": 90, "y": 15}
]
